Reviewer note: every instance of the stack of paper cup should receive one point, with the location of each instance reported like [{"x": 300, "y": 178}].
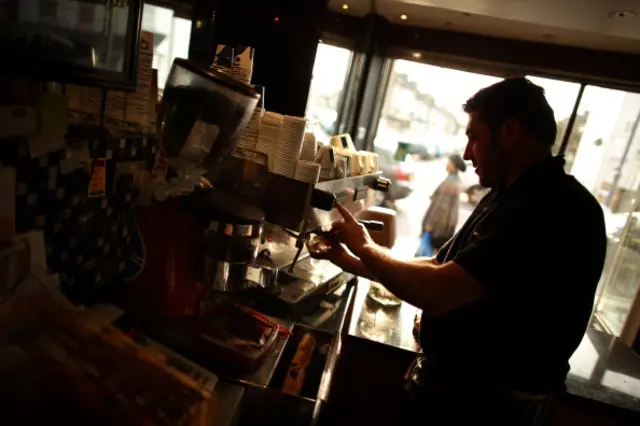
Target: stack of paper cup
[
  {"x": 307, "y": 171},
  {"x": 326, "y": 159},
  {"x": 309, "y": 147},
  {"x": 269, "y": 135},
  {"x": 289, "y": 146},
  {"x": 249, "y": 137}
]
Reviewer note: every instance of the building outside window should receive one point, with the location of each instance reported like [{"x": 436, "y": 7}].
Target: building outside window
[
  {"x": 171, "y": 37},
  {"x": 327, "y": 85}
]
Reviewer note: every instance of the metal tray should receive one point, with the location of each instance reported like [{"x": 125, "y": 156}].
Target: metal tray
[{"x": 289, "y": 410}]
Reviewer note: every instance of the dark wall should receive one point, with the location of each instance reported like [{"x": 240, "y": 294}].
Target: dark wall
[
  {"x": 370, "y": 91},
  {"x": 285, "y": 34},
  {"x": 606, "y": 68},
  {"x": 612, "y": 69},
  {"x": 201, "y": 47}
]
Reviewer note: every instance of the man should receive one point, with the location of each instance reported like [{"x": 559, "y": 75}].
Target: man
[{"x": 507, "y": 300}]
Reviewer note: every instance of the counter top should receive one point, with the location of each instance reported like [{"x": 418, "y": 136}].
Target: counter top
[
  {"x": 602, "y": 368},
  {"x": 228, "y": 398},
  {"x": 233, "y": 389},
  {"x": 605, "y": 370},
  {"x": 328, "y": 317},
  {"x": 391, "y": 326}
]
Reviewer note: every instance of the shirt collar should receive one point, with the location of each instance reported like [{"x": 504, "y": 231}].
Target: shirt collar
[{"x": 539, "y": 174}]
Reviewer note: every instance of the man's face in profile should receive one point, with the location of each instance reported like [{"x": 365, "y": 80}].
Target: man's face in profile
[{"x": 484, "y": 152}]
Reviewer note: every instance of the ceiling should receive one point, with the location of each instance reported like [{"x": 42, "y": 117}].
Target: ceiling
[{"x": 583, "y": 23}]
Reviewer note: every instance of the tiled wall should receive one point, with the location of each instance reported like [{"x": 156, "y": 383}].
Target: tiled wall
[{"x": 86, "y": 237}]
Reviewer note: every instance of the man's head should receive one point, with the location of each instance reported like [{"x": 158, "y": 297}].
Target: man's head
[{"x": 510, "y": 123}]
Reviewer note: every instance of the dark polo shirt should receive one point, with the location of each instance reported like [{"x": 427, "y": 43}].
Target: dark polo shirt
[{"x": 538, "y": 247}]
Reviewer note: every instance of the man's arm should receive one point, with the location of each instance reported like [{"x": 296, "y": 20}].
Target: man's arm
[
  {"x": 350, "y": 263},
  {"x": 342, "y": 257},
  {"x": 434, "y": 288},
  {"x": 354, "y": 265}
]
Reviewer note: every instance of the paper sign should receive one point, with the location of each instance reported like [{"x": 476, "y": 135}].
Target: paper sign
[
  {"x": 98, "y": 182},
  {"x": 18, "y": 121},
  {"x": 53, "y": 110}
]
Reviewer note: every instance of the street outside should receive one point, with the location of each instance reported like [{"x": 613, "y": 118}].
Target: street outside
[{"x": 410, "y": 211}]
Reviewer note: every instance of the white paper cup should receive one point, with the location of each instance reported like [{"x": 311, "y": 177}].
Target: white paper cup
[
  {"x": 244, "y": 56},
  {"x": 373, "y": 162},
  {"x": 309, "y": 146},
  {"x": 341, "y": 170},
  {"x": 326, "y": 157},
  {"x": 307, "y": 171},
  {"x": 342, "y": 142}
]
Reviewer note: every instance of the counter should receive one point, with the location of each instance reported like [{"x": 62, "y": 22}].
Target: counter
[
  {"x": 391, "y": 326},
  {"x": 605, "y": 370},
  {"x": 247, "y": 398},
  {"x": 602, "y": 368}
]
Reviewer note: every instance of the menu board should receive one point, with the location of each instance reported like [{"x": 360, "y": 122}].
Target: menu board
[{"x": 77, "y": 41}]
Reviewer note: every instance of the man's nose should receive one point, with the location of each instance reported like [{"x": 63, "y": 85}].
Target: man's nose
[{"x": 468, "y": 153}]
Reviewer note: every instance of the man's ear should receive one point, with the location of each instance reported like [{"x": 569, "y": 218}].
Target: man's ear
[{"x": 511, "y": 131}]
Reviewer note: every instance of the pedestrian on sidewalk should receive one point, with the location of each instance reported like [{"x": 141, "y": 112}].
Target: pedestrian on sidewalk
[{"x": 441, "y": 219}]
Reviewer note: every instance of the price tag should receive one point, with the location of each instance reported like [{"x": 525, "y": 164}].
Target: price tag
[{"x": 98, "y": 182}]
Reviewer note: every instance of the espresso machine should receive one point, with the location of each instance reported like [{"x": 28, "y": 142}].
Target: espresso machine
[
  {"x": 231, "y": 240},
  {"x": 295, "y": 212},
  {"x": 222, "y": 234},
  {"x": 194, "y": 238}
]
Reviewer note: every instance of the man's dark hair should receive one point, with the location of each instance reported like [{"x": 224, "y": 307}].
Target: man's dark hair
[{"x": 519, "y": 99}]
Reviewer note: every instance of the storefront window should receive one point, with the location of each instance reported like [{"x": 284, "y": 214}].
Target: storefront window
[
  {"x": 171, "y": 37},
  {"x": 607, "y": 160},
  {"x": 329, "y": 74},
  {"x": 562, "y": 96},
  {"x": 423, "y": 107},
  {"x": 422, "y": 114}
]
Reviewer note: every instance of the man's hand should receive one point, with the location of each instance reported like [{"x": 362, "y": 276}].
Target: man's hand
[
  {"x": 350, "y": 232},
  {"x": 336, "y": 253},
  {"x": 340, "y": 256}
]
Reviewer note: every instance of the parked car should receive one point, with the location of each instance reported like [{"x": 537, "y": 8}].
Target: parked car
[{"x": 400, "y": 173}]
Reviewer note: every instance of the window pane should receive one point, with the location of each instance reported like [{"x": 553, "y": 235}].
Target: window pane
[
  {"x": 171, "y": 37},
  {"x": 422, "y": 113},
  {"x": 562, "y": 96},
  {"x": 607, "y": 162},
  {"x": 329, "y": 75}
]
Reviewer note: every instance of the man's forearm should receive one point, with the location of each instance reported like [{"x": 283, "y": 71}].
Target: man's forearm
[
  {"x": 403, "y": 278},
  {"x": 355, "y": 266}
]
